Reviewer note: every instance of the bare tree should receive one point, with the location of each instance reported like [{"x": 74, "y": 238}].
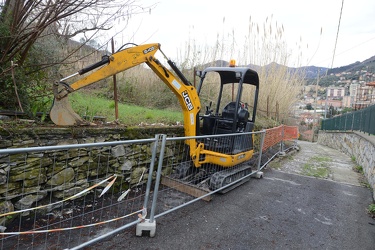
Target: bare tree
[
  {"x": 35, "y": 35},
  {"x": 22, "y": 22}
]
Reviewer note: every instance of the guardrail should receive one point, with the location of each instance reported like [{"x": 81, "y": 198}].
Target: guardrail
[
  {"x": 361, "y": 120},
  {"x": 103, "y": 188}
]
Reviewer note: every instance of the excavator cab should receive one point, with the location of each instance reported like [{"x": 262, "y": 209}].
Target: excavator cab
[{"x": 230, "y": 96}]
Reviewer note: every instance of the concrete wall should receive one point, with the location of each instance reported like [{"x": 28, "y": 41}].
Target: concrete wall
[{"x": 357, "y": 145}]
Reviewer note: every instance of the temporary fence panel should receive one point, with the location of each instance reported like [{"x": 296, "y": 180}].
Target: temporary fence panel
[
  {"x": 290, "y": 133},
  {"x": 279, "y": 134},
  {"x": 273, "y": 136},
  {"x": 59, "y": 197},
  {"x": 179, "y": 188}
]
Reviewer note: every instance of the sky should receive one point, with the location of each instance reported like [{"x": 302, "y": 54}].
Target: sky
[{"x": 309, "y": 27}]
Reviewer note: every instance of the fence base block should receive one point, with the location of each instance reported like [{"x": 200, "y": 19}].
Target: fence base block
[
  {"x": 258, "y": 175},
  {"x": 281, "y": 154},
  {"x": 146, "y": 226}
]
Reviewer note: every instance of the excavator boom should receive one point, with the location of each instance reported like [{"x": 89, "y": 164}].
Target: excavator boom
[{"x": 62, "y": 114}]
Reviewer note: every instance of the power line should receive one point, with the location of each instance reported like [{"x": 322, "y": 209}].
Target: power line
[
  {"x": 337, "y": 34},
  {"x": 355, "y": 46}
]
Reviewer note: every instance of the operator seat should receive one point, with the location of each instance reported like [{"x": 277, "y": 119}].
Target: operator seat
[{"x": 229, "y": 112}]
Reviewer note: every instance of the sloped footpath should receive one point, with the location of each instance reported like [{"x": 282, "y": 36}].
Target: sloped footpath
[
  {"x": 319, "y": 161},
  {"x": 310, "y": 200}
]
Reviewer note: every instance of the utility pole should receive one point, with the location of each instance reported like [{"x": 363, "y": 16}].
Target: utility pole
[
  {"x": 315, "y": 120},
  {"x": 325, "y": 106},
  {"x": 115, "y": 85}
]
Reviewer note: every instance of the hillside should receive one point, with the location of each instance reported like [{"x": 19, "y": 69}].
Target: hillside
[
  {"x": 368, "y": 64},
  {"x": 326, "y": 75},
  {"x": 311, "y": 72}
]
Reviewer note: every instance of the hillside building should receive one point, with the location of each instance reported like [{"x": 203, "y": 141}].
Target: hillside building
[
  {"x": 335, "y": 93},
  {"x": 362, "y": 96}
]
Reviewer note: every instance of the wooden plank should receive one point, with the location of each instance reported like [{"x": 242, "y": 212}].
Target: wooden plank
[{"x": 185, "y": 188}]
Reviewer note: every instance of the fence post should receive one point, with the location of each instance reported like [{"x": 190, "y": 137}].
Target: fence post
[
  {"x": 261, "y": 149},
  {"x": 352, "y": 121},
  {"x": 150, "y": 224},
  {"x": 282, "y": 139},
  {"x": 369, "y": 121},
  {"x": 158, "y": 177},
  {"x": 152, "y": 164},
  {"x": 346, "y": 118},
  {"x": 372, "y": 130}
]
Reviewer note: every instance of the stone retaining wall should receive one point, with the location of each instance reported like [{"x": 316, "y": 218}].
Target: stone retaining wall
[
  {"x": 356, "y": 145},
  {"x": 29, "y": 178}
]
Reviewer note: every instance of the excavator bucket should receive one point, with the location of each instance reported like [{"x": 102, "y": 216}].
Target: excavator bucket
[{"x": 62, "y": 114}]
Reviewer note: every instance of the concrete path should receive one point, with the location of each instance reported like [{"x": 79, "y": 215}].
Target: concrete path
[
  {"x": 320, "y": 161},
  {"x": 284, "y": 210}
]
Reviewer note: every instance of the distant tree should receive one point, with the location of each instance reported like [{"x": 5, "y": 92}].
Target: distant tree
[
  {"x": 28, "y": 29},
  {"x": 328, "y": 80},
  {"x": 346, "y": 110},
  {"x": 22, "y": 22},
  {"x": 309, "y": 106},
  {"x": 332, "y": 111}
]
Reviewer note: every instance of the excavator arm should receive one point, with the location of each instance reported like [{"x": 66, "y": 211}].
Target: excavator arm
[
  {"x": 116, "y": 63},
  {"x": 63, "y": 115}
]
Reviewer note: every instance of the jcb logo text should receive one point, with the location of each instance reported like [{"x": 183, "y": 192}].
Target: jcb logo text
[
  {"x": 148, "y": 50},
  {"x": 187, "y": 100}
]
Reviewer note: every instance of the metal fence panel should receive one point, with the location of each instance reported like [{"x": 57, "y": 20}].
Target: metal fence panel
[
  {"x": 59, "y": 197},
  {"x": 361, "y": 120}
]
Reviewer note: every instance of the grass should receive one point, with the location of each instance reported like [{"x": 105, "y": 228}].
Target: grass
[
  {"x": 91, "y": 105},
  {"x": 320, "y": 159},
  {"x": 275, "y": 164},
  {"x": 317, "y": 167},
  {"x": 315, "y": 171},
  {"x": 362, "y": 179},
  {"x": 371, "y": 210},
  {"x": 130, "y": 115},
  {"x": 358, "y": 169}
]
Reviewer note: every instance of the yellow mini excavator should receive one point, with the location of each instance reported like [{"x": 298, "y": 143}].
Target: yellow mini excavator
[{"x": 229, "y": 94}]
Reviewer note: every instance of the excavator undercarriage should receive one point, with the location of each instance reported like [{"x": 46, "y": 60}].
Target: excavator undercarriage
[{"x": 214, "y": 177}]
